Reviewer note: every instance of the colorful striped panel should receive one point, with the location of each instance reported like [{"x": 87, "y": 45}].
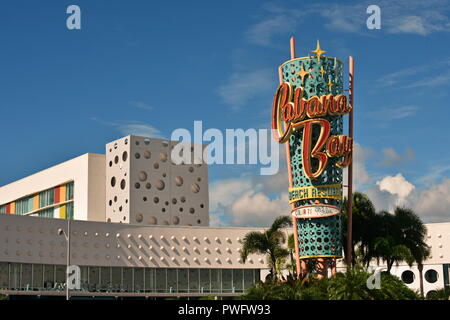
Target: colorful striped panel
[
  {"x": 12, "y": 208},
  {"x": 57, "y": 194},
  {"x": 36, "y": 202},
  {"x": 62, "y": 193},
  {"x": 62, "y": 212},
  {"x": 8, "y": 208}
]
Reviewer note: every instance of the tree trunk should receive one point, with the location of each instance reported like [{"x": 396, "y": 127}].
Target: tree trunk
[
  {"x": 389, "y": 266},
  {"x": 420, "y": 267}
]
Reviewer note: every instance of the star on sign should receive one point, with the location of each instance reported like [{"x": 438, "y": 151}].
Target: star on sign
[
  {"x": 322, "y": 71},
  {"x": 303, "y": 73},
  {"x": 330, "y": 84},
  {"x": 318, "y": 51}
]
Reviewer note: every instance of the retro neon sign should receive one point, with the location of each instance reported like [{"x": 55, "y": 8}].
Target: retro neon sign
[{"x": 296, "y": 112}]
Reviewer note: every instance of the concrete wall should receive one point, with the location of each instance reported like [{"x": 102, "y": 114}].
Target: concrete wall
[
  {"x": 36, "y": 240},
  {"x": 143, "y": 185},
  {"x": 87, "y": 172}
]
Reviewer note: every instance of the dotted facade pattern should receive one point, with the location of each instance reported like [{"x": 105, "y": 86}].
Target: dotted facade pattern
[{"x": 145, "y": 186}]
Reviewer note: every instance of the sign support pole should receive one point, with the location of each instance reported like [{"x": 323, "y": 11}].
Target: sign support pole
[{"x": 350, "y": 167}]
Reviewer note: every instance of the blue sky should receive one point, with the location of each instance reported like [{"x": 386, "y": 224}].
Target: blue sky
[{"x": 149, "y": 67}]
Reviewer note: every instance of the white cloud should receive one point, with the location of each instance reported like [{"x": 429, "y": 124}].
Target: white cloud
[
  {"x": 277, "y": 20},
  {"x": 434, "y": 174},
  {"x": 409, "y": 24},
  {"x": 133, "y": 127},
  {"x": 249, "y": 201},
  {"x": 433, "y": 204},
  {"x": 223, "y": 193},
  {"x": 257, "y": 209},
  {"x": 140, "y": 129},
  {"x": 244, "y": 86},
  {"x": 396, "y": 185},
  {"x": 360, "y": 175}
]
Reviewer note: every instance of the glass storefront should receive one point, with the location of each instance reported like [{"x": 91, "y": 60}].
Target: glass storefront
[{"x": 38, "y": 277}]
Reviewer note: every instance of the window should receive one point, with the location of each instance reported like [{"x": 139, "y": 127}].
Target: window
[
  {"x": 127, "y": 279},
  {"x": 431, "y": 276},
  {"x": 216, "y": 280},
  {"x": 238, "y": 280},
  {"x": 149, "y": 280},
  {"x": 17, "y": 276},
  {"x": 138, "y": 279},
  {"x": 46, "y": 213},
  {"x": 69, "y": 211},
  {"x": 69, "y": 191},
  {"x": 4, "y": 272},
  {"x": 161, "y": 280},
  {"x": 46, "y": 198},
  {"x": 248, "y": 278},
  {"x": 25, "y": 279},
  {"x": 205, "y": 281},
  {"x": 227, "y": 280},
  {"x": 408, "y": 277},
  {"x": 194, "y": 280},
  {"x": 38, "y": 276},
  {"x": 172, "y": 283},
  {"x": 3, "y": 209},
  {"x": 116, "y": 275},
  {"x": 105, "y": 279},
  {"x": 183, "y": 280},
  {"x": 24, "y": 205}
]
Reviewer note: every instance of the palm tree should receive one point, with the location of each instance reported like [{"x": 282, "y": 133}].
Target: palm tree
[
  {"x": 363, "y": 213},
  {"x": 412, "y": 233},
  {"x": 291, "y": 247},
  {"x": 388, "y": 250},
  {"x": 268, "y": 242}
]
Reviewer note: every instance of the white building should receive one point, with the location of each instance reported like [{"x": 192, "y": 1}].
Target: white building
[{"x": 139, "y": 226}]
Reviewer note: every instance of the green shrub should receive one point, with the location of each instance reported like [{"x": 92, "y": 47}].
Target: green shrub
[{"x": 351, "y": 285}]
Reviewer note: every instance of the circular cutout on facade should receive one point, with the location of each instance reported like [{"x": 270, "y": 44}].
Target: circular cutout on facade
[
  {"x": 116, "y": 159},
  {"x": 152, "y": 220},
  {"x": 139, "y": 218},
  {"x": 124, "y": 156},
  {"x": 142, "y": 175},
  {"x": 163, "y": 156},
  {"x": 175, "y": 220},
  {"x": 178, "y": 181},
  {"x": 156, "y": 165},
  {"x": 147, "y": 154},
  {"x": 137, "y": 155},
  {"x": 408, "y": 276},
  {"x": 113, "y": 181},
  {"x": 431, "y": 276},
  {"x": 137, "y": 185},
  {"x": 148, "y": 186},
  {"x": 195, "y": 188},
  {"x": 147, "y": 141},
  {"x": 160, "y": 185},
  {"x": 123, "y": 184}
]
